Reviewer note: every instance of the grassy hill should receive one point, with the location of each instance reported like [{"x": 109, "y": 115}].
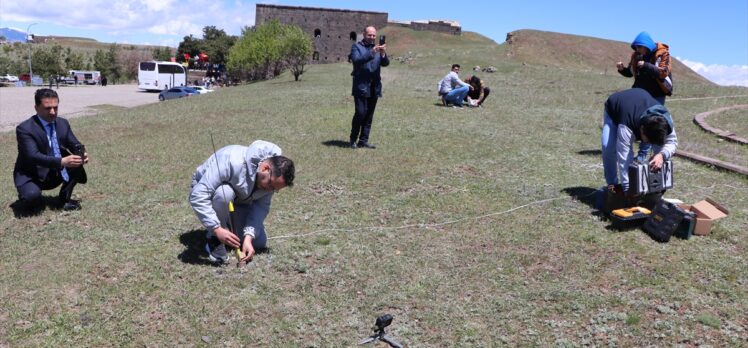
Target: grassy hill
[
  {"x": 87, "y": 45},
  {"x": 473, "y": 227},
  {"x": 581, "y": 52}
]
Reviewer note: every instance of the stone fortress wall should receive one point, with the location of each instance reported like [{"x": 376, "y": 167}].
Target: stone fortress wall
[{"x": 333, "y": 31}]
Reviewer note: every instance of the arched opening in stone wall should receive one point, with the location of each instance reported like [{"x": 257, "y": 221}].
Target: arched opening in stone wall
[
  {"x": 353, "y": 36},
  {"x": 317, "y": 33}
]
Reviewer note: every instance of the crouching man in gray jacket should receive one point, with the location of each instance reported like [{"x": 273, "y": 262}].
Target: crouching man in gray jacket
[{"x": 248, "y": 177}]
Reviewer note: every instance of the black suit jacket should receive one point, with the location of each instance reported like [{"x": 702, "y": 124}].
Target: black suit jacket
[{"x": 35, "y": 156}]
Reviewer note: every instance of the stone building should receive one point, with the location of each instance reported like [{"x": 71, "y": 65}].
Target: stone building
[
  {"x": 444, "y": 26},
  {"x": 333, "y": 31}
]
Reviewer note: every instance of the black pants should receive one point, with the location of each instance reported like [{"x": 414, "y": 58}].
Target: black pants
[
  {"x": 361, "y": 124},
  {"x": 30, "y": 193},
  {"x": 475, "y": 94}
]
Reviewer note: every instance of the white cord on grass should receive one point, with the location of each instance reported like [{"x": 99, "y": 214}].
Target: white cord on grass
[
  {"x": 420, "y": 225},
  {"x": 715, "y": 97}
]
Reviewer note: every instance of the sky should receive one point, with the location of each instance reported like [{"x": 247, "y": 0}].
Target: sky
[{"x": 710, "y": 37}]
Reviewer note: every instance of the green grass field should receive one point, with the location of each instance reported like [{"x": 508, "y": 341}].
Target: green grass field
[{"x": 424, "y": 227}]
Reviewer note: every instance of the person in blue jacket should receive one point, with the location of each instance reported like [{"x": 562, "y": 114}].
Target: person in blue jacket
[{"x": 367, "y": 59}]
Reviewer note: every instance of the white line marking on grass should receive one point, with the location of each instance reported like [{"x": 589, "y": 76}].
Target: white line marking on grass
[
  {"x": 699, "y": 98},
  {"x": 419, "y": 225}
]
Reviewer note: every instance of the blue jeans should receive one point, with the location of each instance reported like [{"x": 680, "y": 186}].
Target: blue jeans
[
  {"x": 223, "y": 195},
  {"x": 457, "y": 95},
  {"x": 609, "y": 139}
]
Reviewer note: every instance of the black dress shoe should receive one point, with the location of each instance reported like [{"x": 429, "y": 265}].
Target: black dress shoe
[
  {"x": 71, "y": 205},
  {"x": 367, "y": 145}
]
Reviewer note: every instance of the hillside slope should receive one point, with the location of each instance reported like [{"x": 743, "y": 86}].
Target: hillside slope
[
  {"x": 580, "y": 52},
  {"x": 470, "y": 226}
]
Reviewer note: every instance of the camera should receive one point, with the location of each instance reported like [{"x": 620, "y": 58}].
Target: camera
[
  {"x": 383, "y": 321},
  {"x": 382, "y": 39},
  {"x": 79, "y": 150}
]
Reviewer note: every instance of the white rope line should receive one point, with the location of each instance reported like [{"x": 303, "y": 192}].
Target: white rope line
[
  {"x": 715, "y": 97},
  {"x": 420, "y": 225}
]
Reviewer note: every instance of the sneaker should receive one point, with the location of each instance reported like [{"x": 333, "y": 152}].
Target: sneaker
[
  {"x": 218, "y": 254},
  {"x": 367, "y": 145},
  {"x": 71, "y": 205},
  {"x": 353, "y": 145}
]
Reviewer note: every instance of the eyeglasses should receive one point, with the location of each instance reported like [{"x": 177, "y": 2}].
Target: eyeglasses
[{"x": 277, "y": 183}]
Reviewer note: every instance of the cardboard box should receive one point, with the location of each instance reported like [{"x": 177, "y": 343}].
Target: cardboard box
[{"x": 706, "y": 212}]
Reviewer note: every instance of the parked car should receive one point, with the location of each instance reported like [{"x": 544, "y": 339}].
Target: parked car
[
  {"x": 177, "y": 92},
  {"x": 201, "y": 89},
  {"x": 8, "y": 78}
]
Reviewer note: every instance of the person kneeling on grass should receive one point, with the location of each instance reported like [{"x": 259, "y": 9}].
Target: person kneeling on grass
[
  {"x": 49, "y": 155},
  {"x": 634, "y": 115},
  {"x": 248, "y": 177},
  {"x": 451, "y": 89},
  {"x": 478, "y": 93}
]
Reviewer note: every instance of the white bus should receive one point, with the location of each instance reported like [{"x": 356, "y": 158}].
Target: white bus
[{"x": 158, "y": 76}]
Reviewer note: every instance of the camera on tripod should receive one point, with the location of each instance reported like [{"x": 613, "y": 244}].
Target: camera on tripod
[
  {"x": 382, "y": 322},
  {"x": 642, "y": 180}
]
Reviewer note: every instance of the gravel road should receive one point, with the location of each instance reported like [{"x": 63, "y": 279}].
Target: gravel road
[{"x": 17, "y": 103}]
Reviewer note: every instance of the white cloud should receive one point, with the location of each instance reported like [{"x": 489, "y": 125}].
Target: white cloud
[
  {"x": 176, "y": 27},
  {"x": 725, "y": 75},
  {"x": 127, "y": 17}
]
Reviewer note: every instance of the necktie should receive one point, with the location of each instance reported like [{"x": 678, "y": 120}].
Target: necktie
[{"x": 56, "y": 149}]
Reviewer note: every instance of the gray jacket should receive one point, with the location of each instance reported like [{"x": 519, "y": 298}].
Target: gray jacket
[
  {"x": 237, "y": 167},
  {"x": 450, "y": 82}
]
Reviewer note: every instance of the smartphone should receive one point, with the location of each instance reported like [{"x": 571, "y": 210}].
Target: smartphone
[{"x": 381, "y": 40}]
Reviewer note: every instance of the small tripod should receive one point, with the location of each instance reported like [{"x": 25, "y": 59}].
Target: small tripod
[{"x": 382, "y": 322}]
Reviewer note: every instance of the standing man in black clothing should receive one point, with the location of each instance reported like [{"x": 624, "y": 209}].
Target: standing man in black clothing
[{"x": 367, "y": 59}]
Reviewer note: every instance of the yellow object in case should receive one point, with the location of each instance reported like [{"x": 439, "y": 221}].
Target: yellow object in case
[{"x": 630, "y": 212}]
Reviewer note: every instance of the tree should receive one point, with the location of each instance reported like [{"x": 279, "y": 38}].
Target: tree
[
  {"x": 101, "y": 62},
  {"x": 162, "y": 53},
  {"x": 115, "y": 69},
  {"x": 129, "y": 62},
  {"x": 189, "y": 45},
  {"x": 13, "y": 66},
  {"x": 266, "y": 50},
  {"x": 296, "y": 50},
  {"x": 216, "y": 44},
  {"x": 74, "y": 60},
  {"x": 47, "y": 61}
]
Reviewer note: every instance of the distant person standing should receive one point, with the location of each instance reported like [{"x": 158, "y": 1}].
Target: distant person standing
[
  {"x": 103, "y": 81},
  {"x": 75, "y": 78},
  {"x": 650, "y": 66},
  {"x": 367, "y": 58}
]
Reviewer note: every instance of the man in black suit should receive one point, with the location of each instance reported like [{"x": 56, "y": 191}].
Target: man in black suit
[{"x": 43, "y": 140}]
